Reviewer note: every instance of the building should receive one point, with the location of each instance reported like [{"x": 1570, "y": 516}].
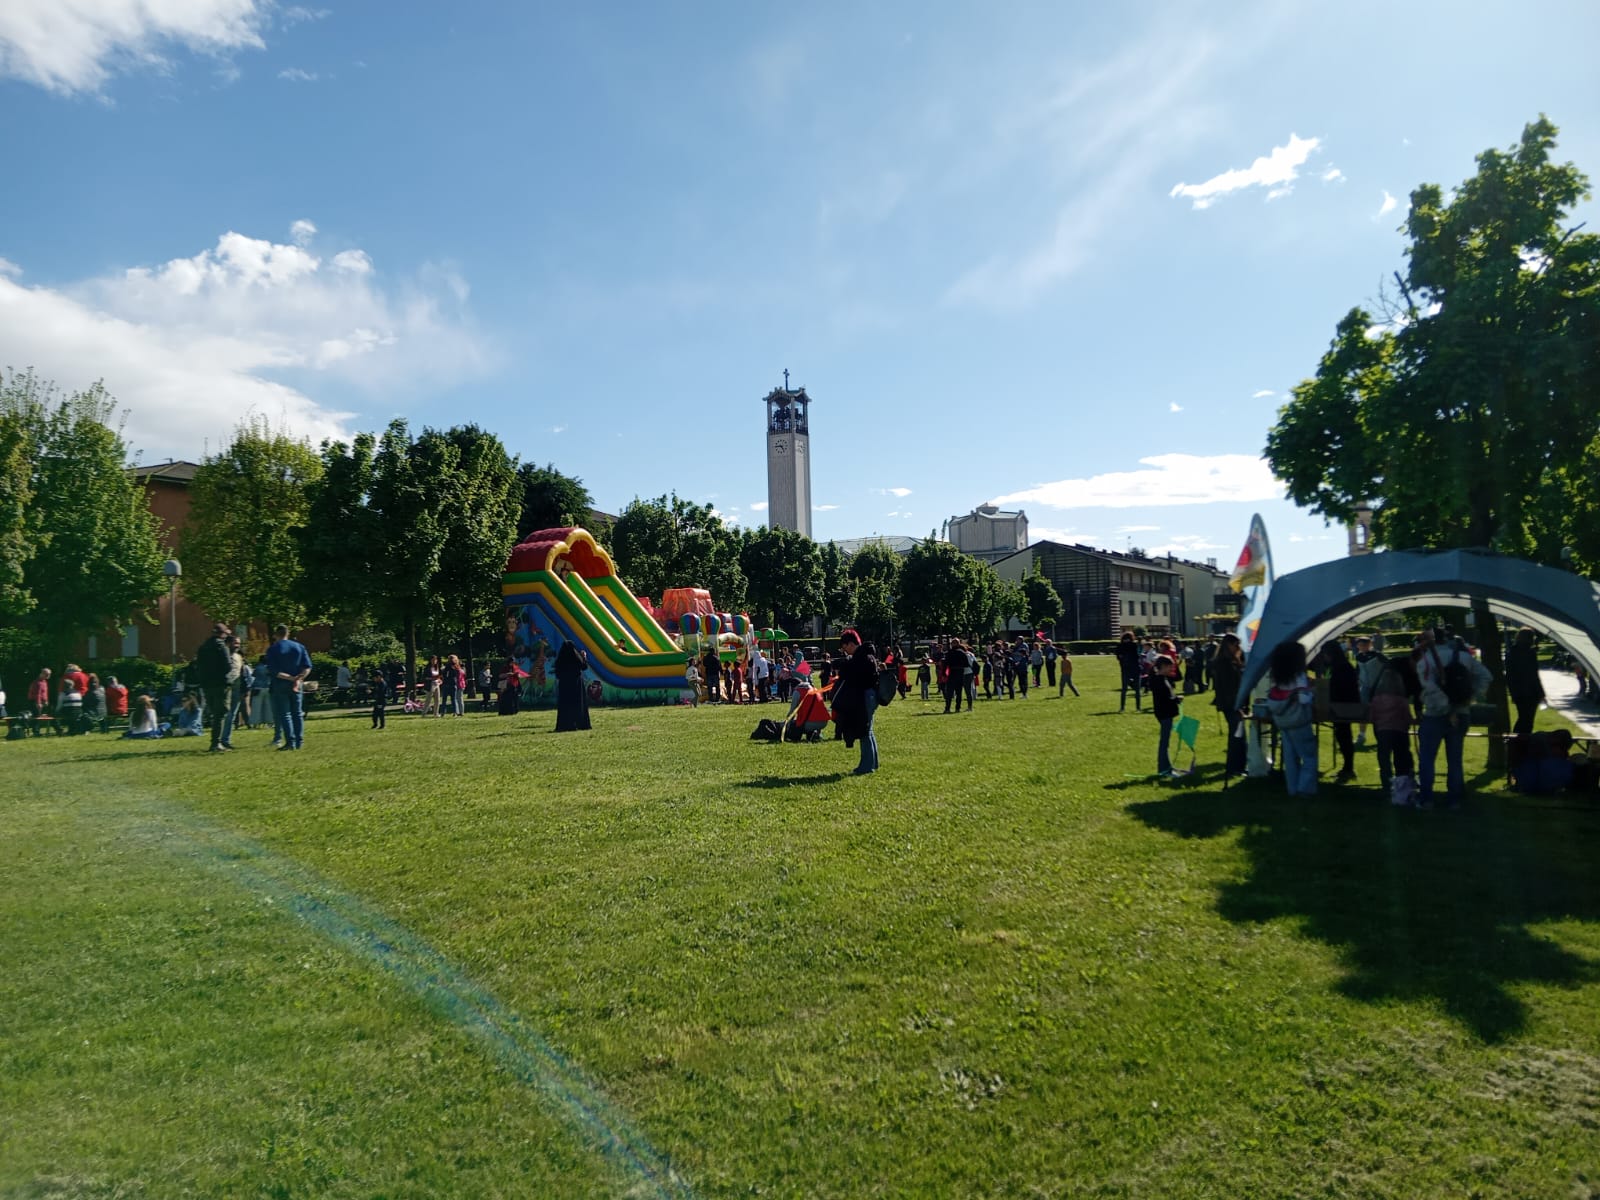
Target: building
[
  {"x": 988, "y": 533},
  {"x": 1203, "y": 595},
  {"x": 789, "y": 458},
  {"x": 898, "y": 543},
  {"x": 1101, "y": 593}
]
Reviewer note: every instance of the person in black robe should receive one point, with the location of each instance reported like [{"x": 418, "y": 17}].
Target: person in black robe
[{"x": 572, "y": 700}]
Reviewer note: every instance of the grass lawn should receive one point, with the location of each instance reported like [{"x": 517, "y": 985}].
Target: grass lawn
[{"x": 475, "y": 958}]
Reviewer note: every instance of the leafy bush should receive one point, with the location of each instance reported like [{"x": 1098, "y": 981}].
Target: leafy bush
[
  {"x": 135, "y": 674},
  {"x": 368, "y": 645}
]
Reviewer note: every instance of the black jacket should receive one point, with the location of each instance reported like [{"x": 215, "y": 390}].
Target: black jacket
[
  {"x": 858, "y": 677},
  {"x": 213, "y": 663}
]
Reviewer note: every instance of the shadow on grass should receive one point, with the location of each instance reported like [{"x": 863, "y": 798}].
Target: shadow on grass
[
  {"x": 1432, "y": 905},
  {"x": 784, "y": 781},
  {"x": 155, "y": 748}
]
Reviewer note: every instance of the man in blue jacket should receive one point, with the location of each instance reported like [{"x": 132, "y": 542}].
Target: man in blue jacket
[{"x": 288, "y": 664}]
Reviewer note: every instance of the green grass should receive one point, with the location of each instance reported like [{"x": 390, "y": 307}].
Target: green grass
[{"x": 475, "y": 958}]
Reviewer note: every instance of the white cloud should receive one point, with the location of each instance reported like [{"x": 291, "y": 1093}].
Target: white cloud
[
  {"x": 1187, "y": 545},
  {"x": 297, "y": 75},
  {"x": 1264, "y": 392},
  {"x": 302, "y": 231},
  {"x": 760, "y": 506},
  {"x": 1169, "y": 479},
  {"x": 1276, "y": 170},
  {"x": 1069, "y": 536},
  {"x": 196, "y": 344},
  {"x": 1333, "y": 175},
  {"x": 1122, "y": 529},
  {"x": 295, "y": 14},
  {"x": 72, "y": 46},
  {"x": 558, "y": 429},
  {"x": 899, "y": 493},
  {"x": 1174, "y": 407},
  {"x": 1388, "y": 206},
  {"x": 823, "y": 507}
]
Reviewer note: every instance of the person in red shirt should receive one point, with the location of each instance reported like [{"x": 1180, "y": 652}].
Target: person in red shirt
[
  {"x": 116, "y": 698},
  {"x": 39, "y": 693},
  {"x": 811, "y": 713},
  {"x": 75, "y": 673}
]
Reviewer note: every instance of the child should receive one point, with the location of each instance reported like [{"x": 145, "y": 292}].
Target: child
[
  {"x": 691, "y": 681},
  {"x": 380, "y": 703},
  {"x": 924, "y": 674},
  {"x": 1064, "y": 666},
  {"x": 1166, "y": 704},
  {"x": 1389, "y": 711}
]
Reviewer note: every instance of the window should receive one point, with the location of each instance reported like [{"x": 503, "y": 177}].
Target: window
[
  {"x": 1130, "y": 608},
  {"x": 1144, "y": 609}
]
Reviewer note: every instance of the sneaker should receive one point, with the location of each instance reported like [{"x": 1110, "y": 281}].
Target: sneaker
[
  {"x": 217, "y": 750},
  {"x": 1345, "y": 777},
  {"x": 1361, "y": 738}
]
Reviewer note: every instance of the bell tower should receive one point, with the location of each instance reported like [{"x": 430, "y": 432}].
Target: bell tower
[{"x": 789, "y": 458}]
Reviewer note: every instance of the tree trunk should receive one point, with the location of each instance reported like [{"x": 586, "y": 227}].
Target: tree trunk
[
  {"x": 1492, "y": 649},
  {"x": 411, "y": 651},
  {"x": 470, "y": 684}
]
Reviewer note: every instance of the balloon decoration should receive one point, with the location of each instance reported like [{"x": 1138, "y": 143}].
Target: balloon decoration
[{"x": 690, "y": 623}]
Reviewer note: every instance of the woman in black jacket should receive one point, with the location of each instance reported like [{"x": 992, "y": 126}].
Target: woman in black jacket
[
  {"x": 1344, "y": 688},
  {"x": 855, "y": 700},
  {"x": 1128, "y": 660},
  {"x": 1227, "y": 669}
]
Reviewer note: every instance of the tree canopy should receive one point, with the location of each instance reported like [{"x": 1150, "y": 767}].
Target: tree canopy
[
  {"x": 550, "y": 500},
  {"x": 667, "y": 543},
  {"x": 1460, "y": 409},
  {"x": 82, "y": 551},
  {"x": 783, "y": 571},
  {"x": 241, "y": 549}
]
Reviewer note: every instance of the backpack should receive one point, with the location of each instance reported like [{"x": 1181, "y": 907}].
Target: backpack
[
  {"x": 1455, "y": 679},
  {"x": 888, "y": 685},
  {"x": 767, "y": 730},
  {"x": 1286, "y": 708}
]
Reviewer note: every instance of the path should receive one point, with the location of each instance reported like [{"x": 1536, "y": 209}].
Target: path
[{"x": 1561, "y": 694}]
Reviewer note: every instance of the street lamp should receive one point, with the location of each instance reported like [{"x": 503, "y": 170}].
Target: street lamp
[{"x": 173, "y": 570}]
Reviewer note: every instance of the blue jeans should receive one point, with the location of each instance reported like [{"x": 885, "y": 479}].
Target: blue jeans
[
  {"x": 1300, "y": 759},
  {"x": 1130, "y": 680},
  {"x": 230, "y": 716},
  {"x": 1163, "y": 759},
  {"x": 1452, "y": 731},
  {"x": 288, "y": 717},
  {"x": 869, "y": 743}
]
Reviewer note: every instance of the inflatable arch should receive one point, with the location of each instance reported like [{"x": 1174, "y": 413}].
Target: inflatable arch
[{"x": 1317, "y": 603}]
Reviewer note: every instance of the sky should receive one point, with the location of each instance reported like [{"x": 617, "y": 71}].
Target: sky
[{"x": 1069, "y": 258}]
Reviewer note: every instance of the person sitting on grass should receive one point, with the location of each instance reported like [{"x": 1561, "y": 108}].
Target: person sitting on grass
[
  {"x": 116, "y": 699},
  {"x": 810, "y": 716},
  {"x": 94, "y": 706},
  {"x": 145, "y": 723},
  {"x": 191, "y": 721}
]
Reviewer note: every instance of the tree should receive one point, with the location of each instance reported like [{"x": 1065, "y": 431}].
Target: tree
[
  {"x": 838, "y": 593},
  {"x": 241, "y": 547},
  {"x": 1041, "y": 601},
  {"x": 93, "y": 552},
  {"x": 662, "y": 543},
  {"x": 1467, "y": 414},
  {"x": 550, "y": 500},
  {"x": 876, "y": 561},
  {"x": 340, "y": 549},
  {"x": 936, "y": 584},
  {"x": 479, "y": 495},
  {"x": 783, "y": 571},
  {"x": 875, "y": 609}
]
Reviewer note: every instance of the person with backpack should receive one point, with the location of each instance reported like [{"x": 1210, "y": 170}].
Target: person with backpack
[
  {"x": 1289, "y": 702},
  {"x": 855, "y": 701},
  {"x": 1450, "y": 677}
]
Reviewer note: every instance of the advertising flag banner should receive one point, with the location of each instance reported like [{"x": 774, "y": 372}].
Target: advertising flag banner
[{"x": 1252, "y": 575}]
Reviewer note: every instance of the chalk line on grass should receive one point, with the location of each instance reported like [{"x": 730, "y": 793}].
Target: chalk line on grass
[{"x": 369, "y": 934}]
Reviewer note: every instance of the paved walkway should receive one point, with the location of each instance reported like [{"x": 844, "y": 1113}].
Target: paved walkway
[{"x": 1561, "y": 694}]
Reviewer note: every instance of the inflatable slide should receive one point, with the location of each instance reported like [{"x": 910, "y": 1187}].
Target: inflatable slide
[{"x": 560, "y": 585}]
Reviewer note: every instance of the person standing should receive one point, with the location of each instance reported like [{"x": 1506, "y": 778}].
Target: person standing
[
  {"x": 1166, "y": 704},
  {"x": 1344, "y": 698},
  {"x": 453, "y": 681},
  {"x": 1227, "y": 671},
  {"x": 433, "y": 685},
  {"x": 1036, "y": 661},
  {"x": 1522, "y": 681},
  {"x": 288, "y": 664},
  {"x": 855, "y": 704},
  {"x": 1131, "y": 668},
  {"x": 711, "y": 669},
  {"x": 216, "y": 672},
  {"x": 955, "y": 665},
  {"x": 238, "y": 693},
  {"x": 1065, "y": 667},
  {"x": 1446, "y": 712},
  {"x": 1290, "y": 702},
  {"x": 39, "y": 693},
  {"x": 572, "y": 701},
  {"x": 1050, "y": 664}
]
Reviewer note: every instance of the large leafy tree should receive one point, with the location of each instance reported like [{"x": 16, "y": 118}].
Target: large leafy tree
[
  {"x": 666, "y": 543},
  {"x": 1043, "y": 603},
  {"x": 838, "y": 594},
  {"x": 1465, "y": 413},
  {"x": 783, "y": 570},
  {"x": 89, "y": 551},
  {"x": 549, "y": 499},
  {"x": 247, "y": 505},
  {"x": 937, "y": 582},
  {"x": 478, "y": 500},
  {"x": 340, "y": 541}
]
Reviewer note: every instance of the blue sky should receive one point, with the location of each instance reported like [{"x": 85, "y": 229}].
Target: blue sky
[{"x": 1068, "y": 257}]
